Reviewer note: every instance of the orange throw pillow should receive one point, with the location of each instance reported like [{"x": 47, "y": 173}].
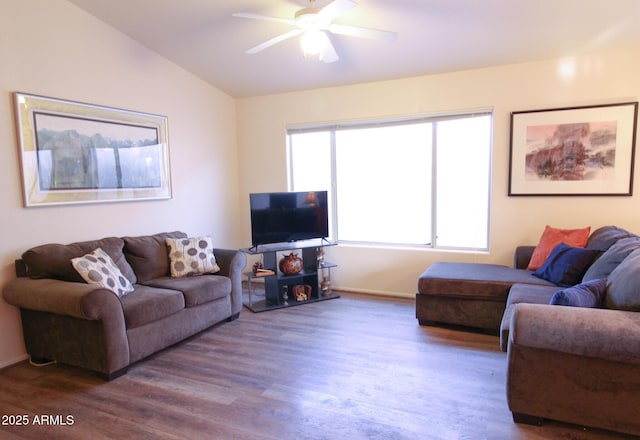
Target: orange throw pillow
[{"x": 551, "y": 237}]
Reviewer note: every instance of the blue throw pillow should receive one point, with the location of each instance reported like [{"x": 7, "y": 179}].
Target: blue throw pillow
[
  {"x": 566, "y": 265},
  {"x": 589, "y": 294}
]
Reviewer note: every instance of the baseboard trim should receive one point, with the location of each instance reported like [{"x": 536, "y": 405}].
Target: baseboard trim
[
  {"x": 14, "y": 361},
  {"x": 374, "y": 292}
]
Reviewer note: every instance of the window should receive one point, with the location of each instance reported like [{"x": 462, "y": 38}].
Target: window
[{"x": 423, "y": 182}]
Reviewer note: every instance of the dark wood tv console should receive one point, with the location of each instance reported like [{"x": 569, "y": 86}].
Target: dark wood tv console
[{"x": 279, "y": 288}]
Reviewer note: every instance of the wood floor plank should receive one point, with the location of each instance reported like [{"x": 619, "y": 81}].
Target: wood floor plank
[{"x": 358, "y": 367}]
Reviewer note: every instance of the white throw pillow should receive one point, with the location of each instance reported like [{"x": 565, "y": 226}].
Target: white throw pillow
[
  {"x": 98, "y": 268},
  {"x": 191, "y": 256}
]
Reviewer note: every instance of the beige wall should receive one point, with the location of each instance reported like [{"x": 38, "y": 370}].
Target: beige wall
[
  {"x": 52, "y": 48},
  {"x": 604, "y": 78}
]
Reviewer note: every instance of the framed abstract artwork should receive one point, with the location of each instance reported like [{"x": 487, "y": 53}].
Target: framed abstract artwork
[
  {"x": 72, "y": 152},
  {"x": 574, "y": 151}
]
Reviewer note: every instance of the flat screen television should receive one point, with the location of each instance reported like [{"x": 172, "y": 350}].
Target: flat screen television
[{"x": 288, "y": 216}]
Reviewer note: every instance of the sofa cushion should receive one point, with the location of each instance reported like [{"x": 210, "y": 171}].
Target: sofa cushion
[
  {"x": 622, "y": 285},
  {"x": 98, "y": 268},
  {"x": 196, "y": 290},
  {"x": 148, "y": 304},
  {"x": 531, "y": 294},
  {"x": 551, "y": 237},
  {"x": 148, "y": 255},
  {"x": 589, "y": 294},
  {"x": 609, "y": 260},
  {"x": 566, "y": 265},
  {"x": 604, "y": 237},
  {"x": 523, "y": 293},
  {"x": 191, "y": 256},
  {"x": 473, "y": 280},
  {"x": 53, "y": 260}
]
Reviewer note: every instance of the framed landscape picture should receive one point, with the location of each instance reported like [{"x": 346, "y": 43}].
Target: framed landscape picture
[
  {"x": 73, "y": 152},
  {"x": 584, "y": 151}
]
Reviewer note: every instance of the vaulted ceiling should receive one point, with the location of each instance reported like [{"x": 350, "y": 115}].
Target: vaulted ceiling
[{"x": 434, "y": 36}]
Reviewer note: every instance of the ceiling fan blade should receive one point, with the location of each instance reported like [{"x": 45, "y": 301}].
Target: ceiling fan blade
[
  {"x": 329, "y": 54},
  {"x": 333, "y": 10},
  {"x": 354, "y": 31},
  {"x": 262, "y": 17},
  {"x": 273, "y": 41}
]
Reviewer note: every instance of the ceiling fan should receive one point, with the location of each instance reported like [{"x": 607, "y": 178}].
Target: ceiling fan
[{"x": 313, "y": 23}]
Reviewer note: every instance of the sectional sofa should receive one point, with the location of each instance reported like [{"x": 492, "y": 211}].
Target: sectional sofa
[{"x": 570, "y": 325}]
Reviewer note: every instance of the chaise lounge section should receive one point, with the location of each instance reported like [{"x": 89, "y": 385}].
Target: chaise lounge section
[{"x": 468, "y": 294}]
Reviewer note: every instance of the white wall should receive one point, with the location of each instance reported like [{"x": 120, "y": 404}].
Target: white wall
[
  {"x": 599, "y": 78},
  {"x": 53, "y": 48}
]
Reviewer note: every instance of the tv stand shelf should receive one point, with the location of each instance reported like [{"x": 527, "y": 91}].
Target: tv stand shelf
[{"x": 279, "y": 287}]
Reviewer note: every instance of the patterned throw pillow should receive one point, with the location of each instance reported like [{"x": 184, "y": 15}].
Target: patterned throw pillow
[
  {"x": 98, "y": 268},
  {"x": 191, "y": 256}
]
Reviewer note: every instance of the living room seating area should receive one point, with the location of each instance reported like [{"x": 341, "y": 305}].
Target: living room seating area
[
  {"x": 569, "y": 323},
  {"x": 357, "y": 368}
]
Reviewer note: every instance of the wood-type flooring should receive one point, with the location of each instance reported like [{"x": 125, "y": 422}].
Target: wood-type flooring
[{"x": 357, "y": 367}]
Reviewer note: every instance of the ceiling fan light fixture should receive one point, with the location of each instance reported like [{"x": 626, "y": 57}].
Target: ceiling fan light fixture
[
  {"x": 313, "y": 42},
  {"x": 313, "y": 25}
]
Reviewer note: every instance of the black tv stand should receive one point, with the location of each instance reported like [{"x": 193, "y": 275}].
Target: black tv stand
[{"x": 279, "y": 287}]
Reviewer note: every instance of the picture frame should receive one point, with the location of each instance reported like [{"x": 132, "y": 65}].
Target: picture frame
[
  {"x": 573, "y": 151},
  {"x": 73, "y": 152}
]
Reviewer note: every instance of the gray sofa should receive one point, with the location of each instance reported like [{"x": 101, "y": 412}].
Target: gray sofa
[
  {"x": 72, "y": 322},
  {"x": 578, "y": 365}
]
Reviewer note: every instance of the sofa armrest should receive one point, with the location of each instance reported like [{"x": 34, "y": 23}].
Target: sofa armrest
[
  {"x": 232, "y": 263},
  {"x": 522, "y": 256},
  {"x": 75, "y": 323},
  {"x": 612, "y": 335},
  {"x": 78, "y": 300}
]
